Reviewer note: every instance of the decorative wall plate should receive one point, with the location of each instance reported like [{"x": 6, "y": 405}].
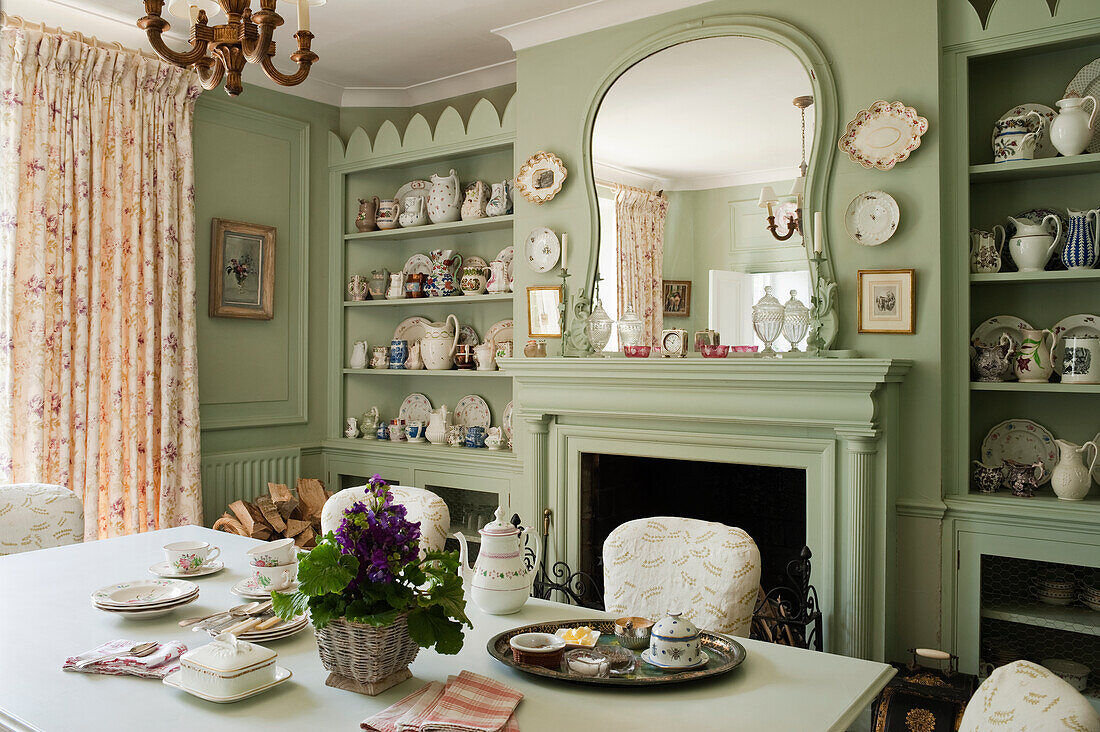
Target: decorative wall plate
[
  {"x": 1087, "y": 82},
  {"x": 467, "y": 336},
  {"x": 506, "y": 255},
  {"x": 415, "y": 407},
  {"x": 506, "y": 421},
  {"x": 1044, "y": 147},
  {"x": 872, "y": 218},
  {"x": 1074, "y": 325},
  {"x": 418, "y": 263},
  {"x": 472, "y": 411},
  {"x": 990, "y": 331},
  {"x": 414, "y": 188},
  {"x": 499, "y": 332},
  {"x": 542, "y": 249},
  {"x": 541, "y": 177},
  {"x": 883, "y": 135},
  {"x": 410, "y": 329},
  {"x": 1023, "y": 441}
]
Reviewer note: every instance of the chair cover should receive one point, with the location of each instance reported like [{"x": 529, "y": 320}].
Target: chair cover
[
  {"x": 37, "y": 516},
  {"x": 1025, "y": 696},
  {"x": 421, "y": 505}
]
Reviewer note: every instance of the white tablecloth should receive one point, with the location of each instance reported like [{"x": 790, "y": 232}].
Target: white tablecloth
[{"x": 46, "y": 615}]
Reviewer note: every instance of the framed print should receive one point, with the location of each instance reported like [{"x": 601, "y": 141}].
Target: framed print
[
  {"x": 242, "y": 270},
  {"x": 885, "y": 300},
  {"x": 543, "y": 312},
  {"x": 676, "y": 296}
]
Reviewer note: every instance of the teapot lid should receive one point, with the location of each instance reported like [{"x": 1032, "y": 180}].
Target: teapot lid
[{"x": 498, "y": 527}]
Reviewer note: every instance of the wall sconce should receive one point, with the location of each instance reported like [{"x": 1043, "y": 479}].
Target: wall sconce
[{"x": 791, "y": 220}]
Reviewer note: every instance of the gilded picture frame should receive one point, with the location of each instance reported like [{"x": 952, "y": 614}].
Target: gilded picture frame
[
  {"x": 242, "y": 270},
  {"x": 676, "y": 298},
  {"x": 885, "y": 301},
  {"x": 544, "y": 311}
]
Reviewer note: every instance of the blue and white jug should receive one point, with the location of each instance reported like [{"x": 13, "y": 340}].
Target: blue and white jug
[{"x": 1079, "y": 251}]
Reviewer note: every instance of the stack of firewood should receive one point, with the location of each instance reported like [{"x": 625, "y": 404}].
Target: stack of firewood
[{"x": 280, "y": 514}]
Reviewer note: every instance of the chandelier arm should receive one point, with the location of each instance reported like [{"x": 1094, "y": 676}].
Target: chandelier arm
[
  {"x": 154, "y": 25},
  {"x": 256, "y": 51},
  {"x": 211, "y": 71},
  {"x": 304, "y": 57}
]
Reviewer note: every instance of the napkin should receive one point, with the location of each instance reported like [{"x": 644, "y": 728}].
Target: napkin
[
  {"x": 156, "y": 665},
  {"x": 468, "y": 703}
]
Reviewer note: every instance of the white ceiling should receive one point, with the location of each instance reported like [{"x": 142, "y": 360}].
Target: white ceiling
[
  {"x": 383, "y": 52},
  {"x": 704, "y": 114}
]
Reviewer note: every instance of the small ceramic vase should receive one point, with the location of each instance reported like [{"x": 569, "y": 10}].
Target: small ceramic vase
[
  {"x": 414, "y": 284},
  {"x": 1072, "y": 478},
  {"x": 1022, "y": 479},
  {"x": 498, "y": 277},
  {"x": 414, "y": 431},
  {"x": 389, "y": 212},
  {"x": 475, "y": 436},
  {"x": 1072, "y": 129},
  {"x": 358, "y": 355},
  {"x": 379, "y": 280},
  {"x": 414, "y": 362},
  {"x": 987, "y": 477},
  {"x": 383, "y": 431},
  {"x": 1033, "y": 364},
  {"x": 992, "y": 363},
  {"x": 358, "y": 287},
  {"x": 985, "y": 250},
  {"x": 380, "y": 357},
  {"x": 1079, "y": 251},
  {"x": 477, "y": 196},
  {"x": 352, "y": 430},
  {"x": 485, "y": 355},
  {"x": 1080, "y": 360},
  {"x": 494, "y": 440},
  {"x": 456, "y": 436},
  {"x": 399, "y": 353},
  {"x": 396, "y": 290},
  {"x": 366, "y": 219},
  {"x": 504, "y": 350},
  {"x": 413, "y": 213},
  {"x": 397, "y": 430},
  {"x": 500, "y": 202},
  {"x": 474, "y": 280}
]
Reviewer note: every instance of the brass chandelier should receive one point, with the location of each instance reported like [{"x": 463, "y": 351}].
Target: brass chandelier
[{"x": 221, "y": 51}]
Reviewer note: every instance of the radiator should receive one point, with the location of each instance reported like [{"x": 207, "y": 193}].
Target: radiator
[{"x": 228, "y": 476}]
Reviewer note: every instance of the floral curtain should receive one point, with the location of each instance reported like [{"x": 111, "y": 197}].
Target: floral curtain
[
  {"x": 98, "y": 367},
  {"x": 640, "y": 232}
]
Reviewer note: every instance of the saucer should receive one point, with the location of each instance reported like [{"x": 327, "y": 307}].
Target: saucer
[
  {"x": 250, "y": 588},
  {"x": 281, "y": 675},
  {"x": 164, "y": 569},
  {"x": 651, "y": 662}
]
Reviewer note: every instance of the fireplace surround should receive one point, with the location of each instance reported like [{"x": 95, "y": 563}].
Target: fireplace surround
[{"x": 834, "y": 419}]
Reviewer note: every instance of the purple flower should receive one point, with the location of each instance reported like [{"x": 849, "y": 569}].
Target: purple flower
[{"x": 377, "y": 533}]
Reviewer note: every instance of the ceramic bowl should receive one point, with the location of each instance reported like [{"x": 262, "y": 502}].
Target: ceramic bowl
[
  {"x": 637, "y": 351},
  {"x": 633, "y": 632},
  {"x": 1075, "y": 674},
  {"x": 674, "y": 642},
  {"x": 537, "y": 649},
  {"x": 713, "y": 351},
  {"x": 746, "y": 349},
  {"x": 273, "y": 553},
  {"x": 1056, "y": 585},
  {"x": 1090, "y": 603}
]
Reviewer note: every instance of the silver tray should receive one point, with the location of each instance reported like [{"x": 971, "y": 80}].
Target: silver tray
[{"x": 725, "y": 654}]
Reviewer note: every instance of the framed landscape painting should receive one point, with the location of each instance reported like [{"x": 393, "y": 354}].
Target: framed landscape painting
[
  {"x": 885, "y": 300},
  {"x": 242, "y": 270},
  {"x": 676, "y": 296}
]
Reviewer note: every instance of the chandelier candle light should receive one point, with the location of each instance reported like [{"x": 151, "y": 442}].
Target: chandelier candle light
[
  {"x": 221, "y": 51},
  {"x": 792, "y": 219}
]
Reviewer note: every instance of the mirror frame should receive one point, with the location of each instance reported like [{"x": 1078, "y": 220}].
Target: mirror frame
[{"x": 823, "y": 315}]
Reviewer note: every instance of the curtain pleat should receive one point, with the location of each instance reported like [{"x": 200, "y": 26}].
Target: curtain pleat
[{"x": 640, "y": 233}]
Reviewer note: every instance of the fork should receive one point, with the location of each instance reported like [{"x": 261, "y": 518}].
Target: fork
[{"x": 139, "y": 651}]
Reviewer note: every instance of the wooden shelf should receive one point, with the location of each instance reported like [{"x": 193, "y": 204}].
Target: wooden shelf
[
  {"x": 1072, "y": 618},
  {"x": 1031, "y": 169},
  {"x": 432, "y": 301},
  {"x": 453, "y": 456},
  {"x": 1011, "y": 278},
  {"x": 426, "y": 372},
  {"x": 418, "y": 232},
  {"x": 1058, "y": 388}
]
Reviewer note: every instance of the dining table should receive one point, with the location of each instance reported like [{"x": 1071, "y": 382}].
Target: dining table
[{"x": 46, "y": 616}]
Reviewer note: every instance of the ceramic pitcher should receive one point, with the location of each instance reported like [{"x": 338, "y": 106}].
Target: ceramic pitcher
[
  {"x": 413, "y": 213},
  {"x": 1015, "y": 138},
  {"x": 992, "y": 362},
  {"x": 358, "y": 287},
  {"x": 352, "y": 429},
  {"x": 444, "y": 264},
  {"x": 1080, "y": 359},
  {"x": 985, "y": 250},
  {"x": 438, "y": 424},
  {"x": 474, "y": 279},
  {"x": 987, "y": 477},
  {"x": 1079, "y": 251},
  {"x": 1022, "y": 478},
  {"x": 1032, "y": 244},
  {"x": 359, "y": 355},
  {"x": 477, "y": 196},
  {"x": 368, "y": 212},
  {"x": 397, "y": 286},
  {"x": 500, "y": 581},
  {"x": 437, "y": 345},
  {"x": 414, "y": 362},
  {"x": 1072, "y": 129},
  {"x": 1071, "y": 478},
  {"x": 498, "y": 276},
  {"x": 379, "y": 280},
  {"x": 500, "y": 202},
  {"x": 485, "y": 355},
  {"x": 444, "y": 198},
  {"x": 1033, "y": 364},
  {"x": 389, "y": 212}
]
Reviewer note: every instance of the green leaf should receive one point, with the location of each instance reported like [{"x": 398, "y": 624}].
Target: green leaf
[
  {"x": 448, "y": 595},
  {"x": 289, "y": 606},
  {"x": 359, "y": 612},
  {"x": 325, "y": 570},
  {"x": 323, "y": 610},
  {"x": 430, "y": 627}
]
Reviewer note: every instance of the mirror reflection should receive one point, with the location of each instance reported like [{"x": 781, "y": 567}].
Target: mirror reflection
[{"x": 693, "y": 148}]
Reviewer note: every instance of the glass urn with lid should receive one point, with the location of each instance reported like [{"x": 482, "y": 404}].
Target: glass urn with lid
[
  {"x": 796, "y": 320},
  {"x": 598, "y": 328},
  {"x": 767, "y": 320},
  {"x": 630, "y": 328}
]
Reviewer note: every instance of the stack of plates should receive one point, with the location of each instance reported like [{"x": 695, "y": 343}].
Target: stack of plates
[
  {"x": 1055, "y": 592},
  {"x": 143, "y": 599},
  {"x": 290, "y": 627},
  {"x": 250, "y": 589},
  {"x": 1090, "y": 596}
]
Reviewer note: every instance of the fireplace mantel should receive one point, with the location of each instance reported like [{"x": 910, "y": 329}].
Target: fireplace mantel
[{"x": 834, "y": 418}]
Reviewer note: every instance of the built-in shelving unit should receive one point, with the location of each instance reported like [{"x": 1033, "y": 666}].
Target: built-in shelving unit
[
  {"x": 490, "y": 223},
  {"x": 1048, "y": 388},
  {"x": 432, "y": 302},
  {"x": 1034, "y": 169},
  {"x": 1017, "y": 278},
  {"x": 424, "y": 373}
]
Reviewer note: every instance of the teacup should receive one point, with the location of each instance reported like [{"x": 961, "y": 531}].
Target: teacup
[
  {"x": 275, "y": 578},
  {"x": 475, "y": 436},
  {"x": 189, "y": 556},
  {"x": 278, "y": 553}
]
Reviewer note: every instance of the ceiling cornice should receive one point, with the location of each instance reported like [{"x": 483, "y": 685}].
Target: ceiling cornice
[
  {"x": 445, "y": 87},
  {"x": 585, "y": 18}
]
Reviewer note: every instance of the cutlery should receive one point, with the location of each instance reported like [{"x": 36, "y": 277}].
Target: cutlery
[
  {"x": 269, "y": 623},
  {"x": 246, "y": 625},
  {"x": 238, "y": 609},
  {"x": 235, "y": 618},
  {"x": 139, "y": 651}
]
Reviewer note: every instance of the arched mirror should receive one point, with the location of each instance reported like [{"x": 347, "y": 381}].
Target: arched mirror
[{"x": 692, "y": 149}]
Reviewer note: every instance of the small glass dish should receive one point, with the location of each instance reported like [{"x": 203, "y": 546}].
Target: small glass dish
[
  {"x": 588, "y": 662},
  {"x": 621, "y": 661}
]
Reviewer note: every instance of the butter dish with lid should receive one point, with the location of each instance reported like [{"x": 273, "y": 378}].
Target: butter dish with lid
[{"x": 227, "y": 669}]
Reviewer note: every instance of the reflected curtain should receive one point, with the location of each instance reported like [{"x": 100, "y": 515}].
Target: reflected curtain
[
  {"x": 98, "y": 365},
  {"x": 640, "y": 233}
]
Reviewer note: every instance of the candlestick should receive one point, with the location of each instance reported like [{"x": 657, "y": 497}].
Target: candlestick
[
  {"x": 564, "y": 244},
  {"x": 194, "y": 15},
  {"x": 303, "y": 15},
  {"x": 819, "y": 231}
]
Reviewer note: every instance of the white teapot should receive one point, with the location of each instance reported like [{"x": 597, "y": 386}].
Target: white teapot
[{"x": 500, "y": 581}]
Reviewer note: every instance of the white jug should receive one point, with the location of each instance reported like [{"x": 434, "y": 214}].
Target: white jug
[
  {"x": 438, "y": 344},
  {"x": 498, "y": 276},
  {"x": 1072, "y": 129},
  {"x": 438, "y": 424},
  {"x": 444, "y": 198},
  {"x": 500, "y": 582},
  {"x": 1032, "y": 244},
  {"x": 359, "y": 355},
  {"x": 1071, "y": 478}
]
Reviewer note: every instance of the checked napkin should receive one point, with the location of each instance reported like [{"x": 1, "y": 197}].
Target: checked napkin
[
  {"x": 156, "y": 665},
  {"x": 468, "y": 703}
]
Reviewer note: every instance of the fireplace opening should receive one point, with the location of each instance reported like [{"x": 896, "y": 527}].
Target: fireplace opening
[{"x": 767, "y": 502}]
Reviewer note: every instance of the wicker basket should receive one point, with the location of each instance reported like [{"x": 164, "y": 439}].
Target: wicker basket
[{"x": 366, "y": 653}]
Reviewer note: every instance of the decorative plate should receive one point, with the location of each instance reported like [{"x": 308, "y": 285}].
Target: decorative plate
[
  {"x": 417, "y": 263},
  {"x": 506, "y": 255},
  {"x": 1036, "y": 216},
  {"x": 416, "y": 407},
  {"x": 281, "y": 675},
  {"x": 472, "y": 411},
  {"x": 883, "y": 135},
  {"x": 646, "y": 657},
  {"x": 542, "y": 249},
  {"x": 1044, "y": 147},
  {"x": 414, "y": 188},
  {"x": 282, "y": 630},
  {"x": 144, "y": 594},
  {"x": 499, "y": 332},
  {"x": 467, "y": 336},
  {"x": 990, "y": 331},
  {"x": 411, "y": 329},
  {"x": 249, "y": 588},
  {"x": 1086, "y": 83},
  {"x": 723, "y": 655},
  {"x": 475, "y": 261},
  {"x": 541, "y": 177},
  {"x": 1083, "y": 324},
  {"x": 164, "y": 569},
  {"x": 1023, "y": 441},
  {"x": 507, "y": 420},
  {"x": 153, "y": 612},
  {"x": 872, "y": 218}
]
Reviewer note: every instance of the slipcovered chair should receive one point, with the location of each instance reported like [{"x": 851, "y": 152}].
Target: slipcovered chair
[
  {"x": 1024, "y": 696},
  {"x": 420, "y": 505},
  {"x": 37, "y": 516},
  {"x": 710, "y": 572}
]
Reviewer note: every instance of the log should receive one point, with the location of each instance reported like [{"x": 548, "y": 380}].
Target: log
[
  {"x": 312, "y": 494},
  {"x": 306, "y": 539},
  {"x": 242, "y": 512},
  {"x": 294, "y": 527},
  {"x": 271, "y": 514},
  {"x": 230, "y": 525},
  {"x": 284, "y": 500}
]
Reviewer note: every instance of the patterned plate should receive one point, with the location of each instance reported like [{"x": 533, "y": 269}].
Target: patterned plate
[
  {"x": 1044, "y": 148},
  {"x": 164, "y": 569},
  {"x": 418, "y": 263},
  {"x": 147, "y": 614},
  {"x": 475, "y": 261},
  {"x": 415, "y": 407},
  {"x": 883, "y": 135},
  {"x": 411, "y": 329},
  {"x": 250, "y": 588},
  {"x": 723, "y": 655},
  {"x": 467, "y": 336},
  {"x": 472, "y": 411},
  {"x": 507, "y": 420},
  {"x": 1023, "y": 441},
  {"x": 499, "y": 332},
  {"x": 872, "y": 218},
  {"x": 542, "y": 249},
  {"x": 1083, "y": 324},
  {"x": 506, "y": 255},
  {"x": 144, "y": 594},
  {"x": 1087, "y": 82}
]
